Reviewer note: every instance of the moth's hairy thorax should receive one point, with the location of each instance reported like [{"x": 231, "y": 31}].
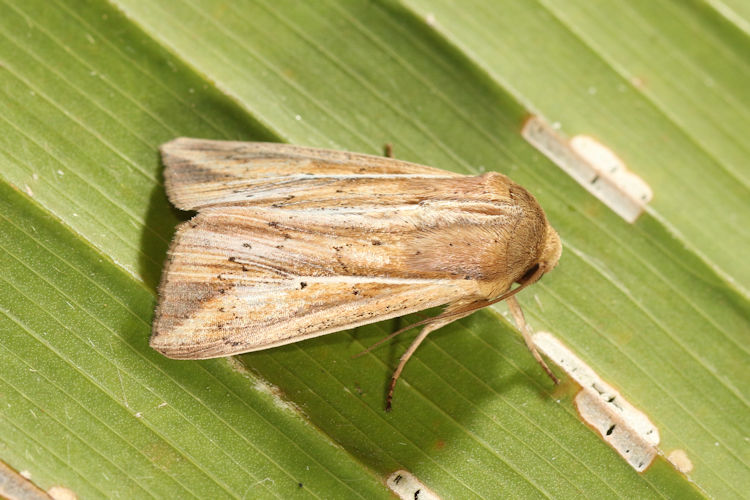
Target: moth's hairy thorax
[{"x": 492, "y": 235}]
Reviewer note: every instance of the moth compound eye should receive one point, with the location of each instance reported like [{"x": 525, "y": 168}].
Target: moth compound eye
[{"x": 528, "y": 274}]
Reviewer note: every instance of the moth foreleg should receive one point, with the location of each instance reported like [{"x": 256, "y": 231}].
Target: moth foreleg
[
  {"x": 429, "y": 328},
  {"x": 515, "y": 310}
]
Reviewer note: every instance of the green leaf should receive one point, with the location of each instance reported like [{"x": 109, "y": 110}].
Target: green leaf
[{"x": 659, "y": 308}]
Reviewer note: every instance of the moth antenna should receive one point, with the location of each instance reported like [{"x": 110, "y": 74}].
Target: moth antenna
[
  {"x": 479, "y": 304},
  {"x": 456, "y": 313},
  {"x": 529, "y": 281},
  {"x": 517, "y": 312},
  {"x": 397, "y": 332}
]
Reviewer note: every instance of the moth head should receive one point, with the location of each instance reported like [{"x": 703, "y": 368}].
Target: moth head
[
  {"x": 551, "y": 251},
  {"x": 549, "y": 255}
]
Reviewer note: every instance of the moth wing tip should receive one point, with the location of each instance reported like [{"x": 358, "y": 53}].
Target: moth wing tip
[
  {"x": 170, "y": 146},
  {"x": 176, "y": 149},
  {"x": 162, "y": 343},
  {"x": 172, "y": 351},
  {"x": 167, "y": 345},
  {"x": 158, "y": 343}
]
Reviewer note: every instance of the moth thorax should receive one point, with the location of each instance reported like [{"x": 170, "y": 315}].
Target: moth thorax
[{"x": 528, "y": 239}]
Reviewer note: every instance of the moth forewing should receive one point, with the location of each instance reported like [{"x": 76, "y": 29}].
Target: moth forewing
[
  {"x": 201, "y": 173},
  {"x": 240, "y": 279},
  {"x": 291, "y": 243}
]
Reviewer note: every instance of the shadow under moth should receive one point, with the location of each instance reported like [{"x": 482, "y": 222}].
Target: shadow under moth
[{"x": 291, "y": 243}]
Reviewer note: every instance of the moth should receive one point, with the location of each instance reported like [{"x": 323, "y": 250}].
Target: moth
[{"x": 290, "y": 243}]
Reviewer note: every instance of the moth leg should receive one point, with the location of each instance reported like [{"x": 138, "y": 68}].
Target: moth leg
[
  {"x": 515, "y": 310},
  {"x": 388, "y": 150},
  {"x": 431, "y": 327}
]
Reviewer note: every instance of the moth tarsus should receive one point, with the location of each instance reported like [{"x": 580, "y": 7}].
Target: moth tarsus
[
  {"x": 388, "y": 150},
  {"x": 290, "y": 243}
]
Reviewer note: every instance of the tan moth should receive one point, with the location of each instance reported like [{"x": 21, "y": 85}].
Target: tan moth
[{"x": 291, "y": 243}]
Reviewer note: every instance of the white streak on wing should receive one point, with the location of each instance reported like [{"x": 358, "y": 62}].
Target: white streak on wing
[
  {"x": 327, "y": 279},
  {"x": 296, "y": 177},
  {"x": 409, "y": 215},
  {"x": 379, "y": 279}
]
